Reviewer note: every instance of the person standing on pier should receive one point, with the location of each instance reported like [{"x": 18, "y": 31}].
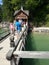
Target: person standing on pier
[
  {"x": 18, "y": 27},
  {"x": 11, "y": 28}
]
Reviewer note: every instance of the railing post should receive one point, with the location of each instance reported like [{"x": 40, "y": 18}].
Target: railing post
[
  {"x": 24, "y": 43},
  {"x": 13, "y": 61},
  {"x": 12, "y": 43},
  {"x": 23, "y": 38}
]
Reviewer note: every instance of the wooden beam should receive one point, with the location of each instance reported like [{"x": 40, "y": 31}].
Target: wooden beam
[{"x": 32, "y": 54}]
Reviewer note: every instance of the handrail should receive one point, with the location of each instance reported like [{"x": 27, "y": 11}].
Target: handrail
[
  {"x": 10, "y": 52},
  {"x": 32, "y": 54}
]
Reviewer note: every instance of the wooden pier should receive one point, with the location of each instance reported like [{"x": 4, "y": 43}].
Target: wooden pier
[
  {"x": 11, "y": 55},
  {"x": 4, "y": 48}
]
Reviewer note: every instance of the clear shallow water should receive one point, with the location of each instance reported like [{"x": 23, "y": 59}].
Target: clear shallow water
[{"x": 36, "y": 42}]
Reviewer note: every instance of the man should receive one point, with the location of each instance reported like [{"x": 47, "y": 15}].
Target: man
[
  {"x": 20, "y": 21},
  {"x": 18, "y": 26}
]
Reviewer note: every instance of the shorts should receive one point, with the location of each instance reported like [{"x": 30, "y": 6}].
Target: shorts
[{"x": 18, "y": 31}]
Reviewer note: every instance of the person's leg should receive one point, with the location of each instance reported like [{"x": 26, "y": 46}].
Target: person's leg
[{"x": 18, "y": 33}]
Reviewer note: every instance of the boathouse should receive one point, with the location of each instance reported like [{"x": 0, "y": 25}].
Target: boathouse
[{"x": 21, "y": 14}]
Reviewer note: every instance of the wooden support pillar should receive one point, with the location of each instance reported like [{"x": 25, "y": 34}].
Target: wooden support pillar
[
  {"x": 13, "y": 61},
  {"x": 17, "y": 60},
  {"x": 24, "y": 43},
  {"x": 23, "y": 37}
]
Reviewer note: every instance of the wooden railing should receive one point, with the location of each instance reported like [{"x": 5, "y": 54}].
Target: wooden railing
[
  {"x": 19, "y": 45},
  {"x": 16, "y": 52}
]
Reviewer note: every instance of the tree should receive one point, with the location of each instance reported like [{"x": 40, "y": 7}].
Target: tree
[
  {"x": 17, "y": 4},
  {"x": 0, "y": 13},
  {"x": 38, "y": 10},
  {"x": 7, "y": 10}
]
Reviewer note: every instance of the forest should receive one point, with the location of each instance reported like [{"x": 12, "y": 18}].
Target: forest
[{"x": 38, "y": 11}]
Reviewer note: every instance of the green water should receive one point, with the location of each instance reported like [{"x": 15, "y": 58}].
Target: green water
[
  {"x": 37, "y": 42},
  {"x": 35, "y": 62},
  {"x": 3, "y": 32}
]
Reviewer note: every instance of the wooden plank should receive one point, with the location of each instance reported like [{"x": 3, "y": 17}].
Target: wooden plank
[
  {"x": 32, "y": 54},
  {"x": 5, "y": 48}
]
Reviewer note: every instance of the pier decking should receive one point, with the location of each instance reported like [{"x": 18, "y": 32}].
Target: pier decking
[{"x": 4, "y": 48}]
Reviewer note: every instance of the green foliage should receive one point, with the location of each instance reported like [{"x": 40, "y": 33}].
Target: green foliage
[
  {"x": 38, "y": 10},
  {"x": 0, "y": 13},
  {"x": 7, "y": 10},
  {"x": 41, "y": 13},
  {"x": 17, "y": 4}
]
